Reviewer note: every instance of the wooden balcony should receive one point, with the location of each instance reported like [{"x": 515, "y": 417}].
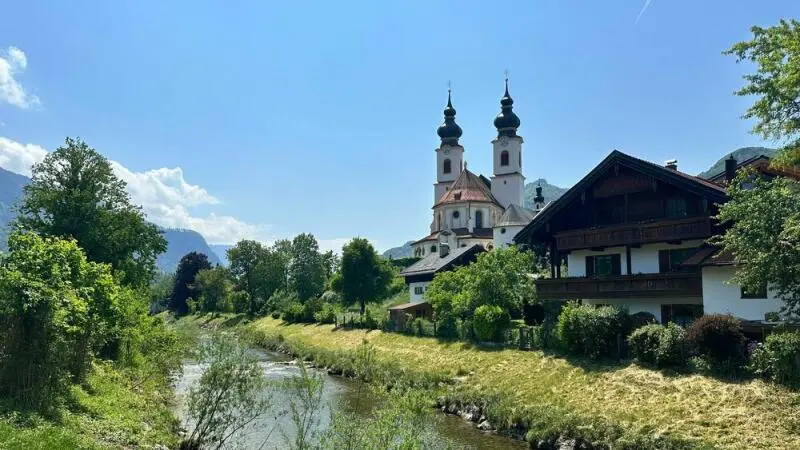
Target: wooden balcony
[
  {"x": 631, "y": 234},
  {"x": 621, "y": 286}
]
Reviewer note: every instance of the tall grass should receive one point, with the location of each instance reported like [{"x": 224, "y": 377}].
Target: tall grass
[{"x": 623, "y": 406}]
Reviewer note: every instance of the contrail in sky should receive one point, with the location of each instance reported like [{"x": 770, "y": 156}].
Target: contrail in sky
[{"x": 644, "y": 8}]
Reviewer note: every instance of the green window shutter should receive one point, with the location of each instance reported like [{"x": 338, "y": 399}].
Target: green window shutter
[
  {"x": 590, "y": 266},
  {"x": 616, "y": 264},
  {"x": 663, "y": 261}
]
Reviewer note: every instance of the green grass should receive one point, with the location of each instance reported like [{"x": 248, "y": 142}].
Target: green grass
[
  {"x": 109, "y": 412},
  {"x": 619, "y": 404}
]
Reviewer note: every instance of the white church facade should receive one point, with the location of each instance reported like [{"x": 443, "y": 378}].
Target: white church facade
[{"x": 470, "y": 209}]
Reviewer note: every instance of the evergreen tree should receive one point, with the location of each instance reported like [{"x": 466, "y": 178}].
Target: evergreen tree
[{"x": 183, "y": 289}]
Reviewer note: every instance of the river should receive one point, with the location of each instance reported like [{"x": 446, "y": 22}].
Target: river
[{"x": 338, "y": 393}]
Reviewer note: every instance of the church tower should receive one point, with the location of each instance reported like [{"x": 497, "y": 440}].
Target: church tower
[
  {"x": 508, "y": 183},
  {"x": 450, "y": 154}
]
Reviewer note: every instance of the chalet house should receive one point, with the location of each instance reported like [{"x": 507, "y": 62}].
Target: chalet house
[
  {"x": 420, "y": 274},
  {"x": 633, "y": 233}
]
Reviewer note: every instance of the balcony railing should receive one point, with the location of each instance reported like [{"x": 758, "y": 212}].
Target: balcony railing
[
  {"x": 620, "y": 286},
  {"x": 630, "y": 234}
]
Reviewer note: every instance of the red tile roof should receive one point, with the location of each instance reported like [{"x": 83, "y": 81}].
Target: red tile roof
[{"x": 468, "y": 187}]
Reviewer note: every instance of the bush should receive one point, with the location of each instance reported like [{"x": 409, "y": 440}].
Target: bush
[
  {"x": 641, "y": 319},
  {"x": 276, "y": 314},
  {"x": 326, "y": 314},
  {"x": 293, "y": 312},
  {"x": 778, "y": 359},
  {"x": 589, "y": 330},
  {"x": 490, "y": 321},
  {"x": 658, "y": 345},
  {"x": 420, "y": 327},
  {"x": 447, "y": 327},
  {"x": 543, "y": 336},
  {"x": 719, "y": 339}
]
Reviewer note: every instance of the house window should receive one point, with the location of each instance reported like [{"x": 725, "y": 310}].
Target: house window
[
  {"x": 456, "y": 214},
  {"x": 504, "y": 158},
  {"x": 418, "y": 290},
  {"x": 603, "y": 265},
  {"x": 478, "y": 219},
  {"x": 502, "y": 231},
  {"x": 676, "y": 207},
  {"x": 670, "y": 260},
  {"x": 682, "y": 315},
  {"x": 433, "y": 249},
  {"x": 761, "y": 292},
  {"x": 447, "y": 166}
]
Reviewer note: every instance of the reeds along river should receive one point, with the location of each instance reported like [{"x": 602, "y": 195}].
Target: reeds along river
[{"x": 268, "y": 432}]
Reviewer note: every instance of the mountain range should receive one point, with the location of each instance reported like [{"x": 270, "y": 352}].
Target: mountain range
[{"x": 551, "y": 192}]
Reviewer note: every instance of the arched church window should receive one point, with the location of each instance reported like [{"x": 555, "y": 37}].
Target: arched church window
[
  {"x": 478, "y": 219},
  {"x": 447, "y": 166},
  {"x": 504, "y": 158},
  {"x": 433, "y": 249}
]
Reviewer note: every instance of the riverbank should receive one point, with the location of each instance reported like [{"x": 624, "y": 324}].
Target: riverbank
[
  {"x": 548, "y": 398},
  {"x": 110, "y": 411}
]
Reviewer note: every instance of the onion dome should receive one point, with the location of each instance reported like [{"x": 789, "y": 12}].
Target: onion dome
[
  {"x": 506, "y": 122},
  {"x": 449, "y": 131},
  {"x": 539, "y": 197}
]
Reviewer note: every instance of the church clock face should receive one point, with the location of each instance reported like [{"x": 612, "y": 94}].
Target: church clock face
[
  {"x": 504, "y": 141},
  {"x": 446, "y": 151}
]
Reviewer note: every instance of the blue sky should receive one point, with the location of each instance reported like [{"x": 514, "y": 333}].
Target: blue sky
[{"x": 286, "y": 117}]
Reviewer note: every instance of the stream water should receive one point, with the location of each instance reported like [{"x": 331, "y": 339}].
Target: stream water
[{"x": 338, "y": 393}]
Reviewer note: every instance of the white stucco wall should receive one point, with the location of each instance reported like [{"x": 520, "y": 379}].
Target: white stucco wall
[
  {"x": 412, "y": 289},
  {"x": 576, "y": 260},
  {"x": 514, "y": 148},
  {"x": 722, "y": 297},
  {"x": 651, "y": 305},
  {"x": 508, "y": 189},
  {"x": 645, "y": 258},
  {"x": 502, "y": 240}
]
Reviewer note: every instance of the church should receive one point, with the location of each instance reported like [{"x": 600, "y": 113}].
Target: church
[{"x": 470, "y": 209}]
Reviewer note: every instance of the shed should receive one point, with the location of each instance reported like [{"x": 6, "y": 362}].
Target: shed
[{"x": 397, "y": 314}]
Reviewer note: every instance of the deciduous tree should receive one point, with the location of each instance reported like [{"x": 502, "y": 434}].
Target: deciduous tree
[
  {"x": 184, "y": 288},
  {"x": 74, "y": 193},
  {"x": 364, "y": 275},
  {"x": 214, "y": 288},
  {"x": 775, "y": 51},
  {"x": 306, "y": 268}
]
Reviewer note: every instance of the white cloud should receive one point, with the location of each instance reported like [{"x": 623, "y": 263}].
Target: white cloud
[
  {"x": 12, "y": 63},
  {"x": 165, "y": 195},
  {"x": 18, "y": 157}
]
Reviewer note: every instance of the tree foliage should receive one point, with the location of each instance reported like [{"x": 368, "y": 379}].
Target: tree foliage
[
  {"x": 365, "y": 276},
  {"x": 498, "y": 277},
  {"x": 306, "y": 270},
  {"x": 764, "y": 235},
  {"x": 74, "y": 193},
  {"x": 184, "y": 289},
  {"x": 775, "y": 51},
  {"x": 56, "y": 311},
  {"x": 214, "y": 288}
]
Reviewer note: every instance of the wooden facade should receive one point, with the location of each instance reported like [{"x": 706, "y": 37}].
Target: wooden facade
[
  {"x": 621, "y": 286},
  {"x": 634, "y": 234}
]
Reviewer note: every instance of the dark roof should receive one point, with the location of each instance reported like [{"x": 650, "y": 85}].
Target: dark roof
[
  {"x": 720, "y": 177},
  {"x": 690, "y": 183},
  {"x": 468, "y": 187},
  {"x": 409, "y": 305},
  {"x": 449, "y": 131},
  {"x": 710, "y": 256},
  {"x": 515, "y": 215},
  {"x": 433, "y": 263},
  {"x": 431, "y": 237}
]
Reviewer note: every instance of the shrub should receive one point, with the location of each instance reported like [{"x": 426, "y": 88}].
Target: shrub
[
  {"x": 420, "y": 327},
  {"x": 719, "y": 339},
  {"x": 778, "y": 359},
  {"x": 490, "y": 321},
  {"x": 534, "y": 314},
  {"x": 326, "y": 314},
  {"x": 447, "y": 327},
  {"x": 589, "y": 330},
  {"x": 293, "y": 312},
  {"x": 641, "y": 319},
  {"x": 543, "y": 336},
  {"x": 658, "y": 345},
  {"x": 276, "y": 314}
]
